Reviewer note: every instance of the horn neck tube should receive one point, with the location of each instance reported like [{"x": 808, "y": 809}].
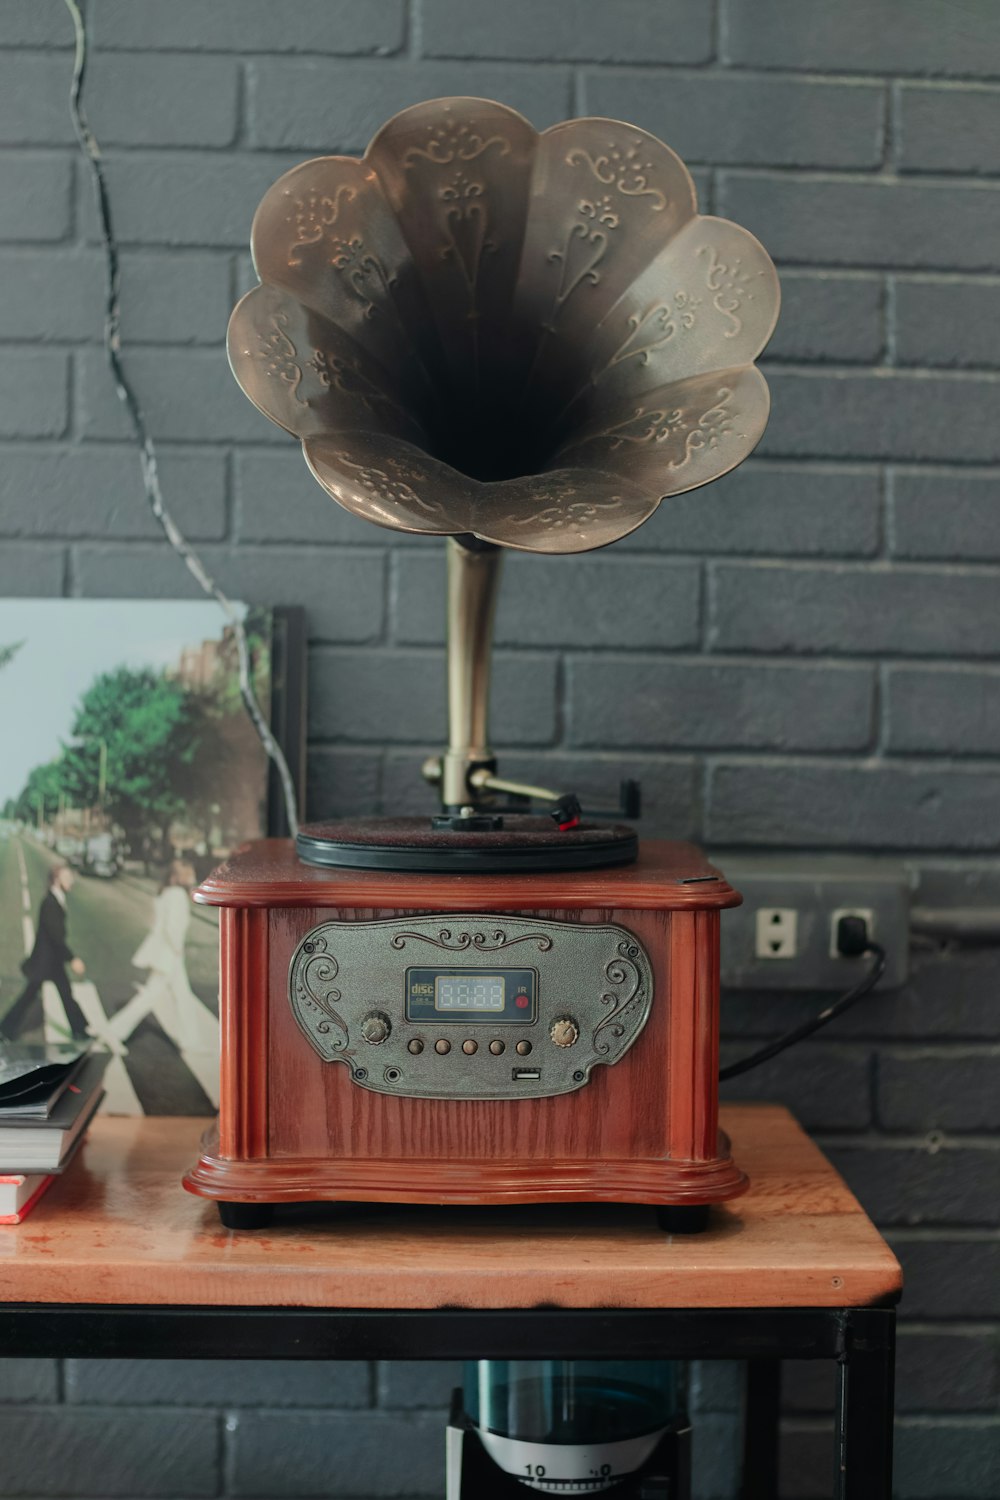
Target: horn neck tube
[{"x": 473, "y": 583}]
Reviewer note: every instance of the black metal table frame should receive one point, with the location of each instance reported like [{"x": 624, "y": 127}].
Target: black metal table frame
[{"x": 860, "y": 1340}]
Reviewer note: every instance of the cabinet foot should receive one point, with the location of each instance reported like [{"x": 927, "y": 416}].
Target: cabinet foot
[
  {"x": 246, "y": 1215},
  {"x": 683, "y": 1218}
]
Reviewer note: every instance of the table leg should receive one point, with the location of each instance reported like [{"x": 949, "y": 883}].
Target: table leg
[
  {"x": 761, "y": 1411},
  {"x": 865, "y": 1406}
]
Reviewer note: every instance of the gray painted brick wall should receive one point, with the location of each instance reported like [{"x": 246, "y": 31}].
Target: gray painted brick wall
[{"x": 803, "y": 656}]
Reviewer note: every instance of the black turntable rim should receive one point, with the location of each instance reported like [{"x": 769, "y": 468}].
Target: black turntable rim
[{"x": 586, "y": 847}]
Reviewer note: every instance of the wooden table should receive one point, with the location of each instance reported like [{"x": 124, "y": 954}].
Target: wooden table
[{"x": 118, "y": 1260}]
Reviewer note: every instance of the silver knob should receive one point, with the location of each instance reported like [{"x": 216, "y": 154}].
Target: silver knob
[
  {"x": 564, "y": 1031},
  {"x": 375, "y": 1028}
]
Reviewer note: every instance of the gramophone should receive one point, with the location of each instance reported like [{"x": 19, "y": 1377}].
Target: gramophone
[{"x": 510, "y": 340}]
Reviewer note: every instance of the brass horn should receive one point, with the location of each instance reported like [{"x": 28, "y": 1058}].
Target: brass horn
[{"x": 507, "y": 338}]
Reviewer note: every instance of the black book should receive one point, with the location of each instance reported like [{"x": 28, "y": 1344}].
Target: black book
[
  {"x": 29, "y": 1144},
  {"x": 35, "y": 1096},
  {"x": 28, "y": 1069}
]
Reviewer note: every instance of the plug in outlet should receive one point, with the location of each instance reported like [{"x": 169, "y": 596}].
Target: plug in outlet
[
  {"x": 777, "y": 932},
  {"x": 866, "y": 913},
  {"x": 783, "y": 937}
]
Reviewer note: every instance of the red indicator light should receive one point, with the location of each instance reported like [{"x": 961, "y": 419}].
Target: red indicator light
[{"x": 522, "y": 1002}]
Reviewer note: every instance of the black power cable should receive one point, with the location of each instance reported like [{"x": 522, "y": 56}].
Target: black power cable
[{"x": 852, "y": 942}]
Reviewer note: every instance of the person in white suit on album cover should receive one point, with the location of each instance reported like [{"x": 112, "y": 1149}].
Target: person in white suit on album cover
[{"x": 167, "y": 993}]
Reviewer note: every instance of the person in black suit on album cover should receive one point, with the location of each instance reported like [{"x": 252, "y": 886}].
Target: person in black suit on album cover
[{"x": 48, "y": 960}]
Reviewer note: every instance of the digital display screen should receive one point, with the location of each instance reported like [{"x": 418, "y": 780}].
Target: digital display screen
[
  {"x": 469, "y": 992},
  {"x": 466, "y": 996}
]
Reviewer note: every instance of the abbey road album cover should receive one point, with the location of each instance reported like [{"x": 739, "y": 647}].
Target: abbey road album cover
[{"x": 128, "y": 769}]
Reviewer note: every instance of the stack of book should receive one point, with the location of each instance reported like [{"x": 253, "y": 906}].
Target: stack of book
[{"x": 48, "y": 1096}]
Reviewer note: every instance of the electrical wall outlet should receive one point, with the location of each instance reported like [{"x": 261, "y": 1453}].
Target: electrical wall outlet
[
  {"x": 784, "y": 936},
  {"x": 777, "y": 932}
]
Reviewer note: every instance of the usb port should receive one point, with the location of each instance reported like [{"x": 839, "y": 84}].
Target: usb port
[{"x": 516, "y": 1073}]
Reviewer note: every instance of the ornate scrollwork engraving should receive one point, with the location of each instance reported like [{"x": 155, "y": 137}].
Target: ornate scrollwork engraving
[
  {"x": 464, "y": 199},
  {"x": 381, "y": 989},
  {"x": 390, "y": 485},
  {"x": 357, "y": 267},
  {"x": 465, "y": 225},
  {"x": 315, "y": 989},
  {"x": 623, "y": 973},
  {"x": 655, "y": 327},
  {"x": 567, "y": 514},
  {"x": 730, "y": 285},
  {"x": 712, "y": 426},
  {"x": 585, "y": 245},
  {"x": 313, "y": 214},
  {"x": 624, "y": 167},
  {"x": 529, "y": 286},
  {"x": 454, "y": 141},
  {"x": 483, "y": 942},
  {"x": 282, "y": 361},
  {"x": 664, "y": 425},
  {"x": 280, "y": 355}
]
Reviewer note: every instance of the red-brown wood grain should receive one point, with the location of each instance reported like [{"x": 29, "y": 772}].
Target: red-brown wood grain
[
  {"x": 243, "y": 1016},
  {"x": 292, "y": 1125},
  {"x": 269, "y": 873}
]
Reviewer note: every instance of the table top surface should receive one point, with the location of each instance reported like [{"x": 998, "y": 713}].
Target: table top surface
[{"x": 119, "y": 1229}]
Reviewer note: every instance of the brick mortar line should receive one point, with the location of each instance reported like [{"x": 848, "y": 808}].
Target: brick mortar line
[
  {"x": 578, "y": 93},
  {"x": 242, "y": 111},
  {"x": 934, "y": 1233},
  {"x": 938, "y": 1419},
  {"x": 815, "y": 173},
  {"x": 715, "y": 33},
  {"x": 823, "y": 176},
  {"x": 760, "y": 465},
  {"x": 413, "y": 28},
  {"x": 816, "y": 271},
  {"x": 884, "y": 542},
  {"x": 876, "y": 566},
  {"x": 959, "y": 82},
  {"x": 906, "y": 373},
  {"x": 232, "y": 549},
  {"x": 833, "y": 562},
  {"x": 230, "y": 501},
  {"x": 943, "y": 1048},
  {"x": 819, "y": 270},
  {"x": 886, "y": 177},
  {"x": 880, "y": 715},
  {"x": 808, "y": 368},
  {"x": 398, "y": 748},
  {"x": 912, "y": 1234},
  {"x": 727, "y": 757},
  {"x": 943, "y": 1140},
  {"x": 884, "y": 364},
  {"x": 735, "y": 755},
  {"x": 889, "y": 124},
  {"x": 681, "y": 657}
]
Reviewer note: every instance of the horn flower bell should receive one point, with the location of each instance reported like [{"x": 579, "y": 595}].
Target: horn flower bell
[{"x": 479, "y": 330}]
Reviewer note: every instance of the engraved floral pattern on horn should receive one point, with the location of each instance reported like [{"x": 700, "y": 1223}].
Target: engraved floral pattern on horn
[{"x": 477, "y": 328}]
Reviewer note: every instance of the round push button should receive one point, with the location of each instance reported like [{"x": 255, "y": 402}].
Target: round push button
[
  {"x": 442, "y": 1045},
  {"x": 523, "y": 1048},
  {"x": 470, "y": 1046},
  {"x": 415, "y": 1044},
  {"x": 496, "y": 1047}
]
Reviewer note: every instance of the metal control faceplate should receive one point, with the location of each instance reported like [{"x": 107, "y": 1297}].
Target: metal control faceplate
[{"x": 587, "y": 989}]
